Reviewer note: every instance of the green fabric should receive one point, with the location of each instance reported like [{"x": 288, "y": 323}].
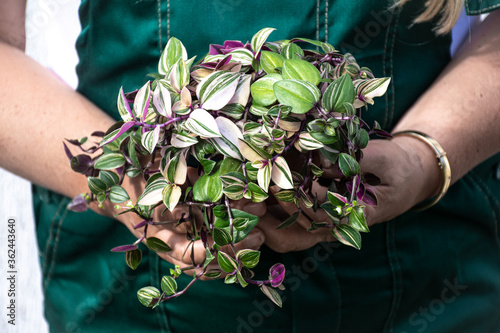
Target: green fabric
[
  {"x": 475, "y": 7},
  {"x": 437, "y": 270}
]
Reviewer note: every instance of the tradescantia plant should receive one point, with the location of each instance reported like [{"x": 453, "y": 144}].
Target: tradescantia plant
[{"x": 241, "y": 113}]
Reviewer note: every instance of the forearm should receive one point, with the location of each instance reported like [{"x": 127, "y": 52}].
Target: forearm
[
  {"x": 462, "y": 108},
  {"x": 37, "y": 112}
]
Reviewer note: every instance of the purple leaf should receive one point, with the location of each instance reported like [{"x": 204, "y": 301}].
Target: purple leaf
[
  {"x": 277, "y": 274},
  {"x": 370, "y": 198},
  {"x": 122, "y": 130},
  {"x": 146, "y": 107},
  {"x": 140, "y": 224},
  {"x": 130, "y": 96},
  {"x": 98, "y": 133},
  {"x": 382, "y": 133},
  {"x": 81, "y": 163},
  {"x": 124, "y": 248},
  {"x": 68, "y": 153},
  {"x": 78, "y": 204}
]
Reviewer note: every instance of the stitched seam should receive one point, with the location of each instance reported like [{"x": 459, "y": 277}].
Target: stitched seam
[
  {"x": 49, "y": 240},
  {"x": 168, "y": 19},
  {"x": 326, "y": 22},
  {"x": 336, "y": 281},
  {"x": 396, "y": 275},
  {"x": 480, "y": 11},
  {"x": 384, "y": 66},
  {"x": 159, "y": 26},
  {"x": 488, "y": 196},
  {"x": 317, "y": 22},
  {"x": 391, "y": 113},
  {"x": 54, "y": 250}
]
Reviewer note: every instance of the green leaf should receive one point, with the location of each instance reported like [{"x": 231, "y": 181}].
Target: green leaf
[
  {"x": 259, "y": 39},
  {"x": 221, "y": 237},
  {"x": 157, "y": 245},
  {"x": 147, "y": 296},
  {"x": 118, "y": 194},
  {"x": 262, "y": 90},
  {"x": 299, "y": 69},
  {"x": 96, "y": 185},
  {"x": 230, "y": 279},
  {"x": 230, "y": 165},
  {"x": 357, "y": 220},
  {"x": 249, "y": 258},
  {"x": 285, "y": 195},
  {"x": 337, "y": 199},
  {"x": 270, "y": 61},
  {"x": 289, "y": 221},
  {"x": 227, "y": 263},
  {"x": 258, "y": 195},
  {"x": 133, "y": 258},
  {"x": 208, "y": 257},
  {"x": 337, "y": 93},
  {"x": 292, "y": 51},
  {"x": 240, "y": 224},
  {"x": 239, "y": 235},
  {"x": 168, "y": 285},
  {"x": 241, "y": 280},
  {"x": 348, "y": 165},
  {"x": 208, "y": 165},
  {"x": 109, "y": 161},
  {"x": 347, "y": 235},
  {"x": 272, "y": 294},
  {"x": 109, "y": 177},
  {"x": 361, "y": 139},
  {"x": 208, "y": 188},
  {"x": 300, "y": 95},
  {"x": 173, "y": 52}
]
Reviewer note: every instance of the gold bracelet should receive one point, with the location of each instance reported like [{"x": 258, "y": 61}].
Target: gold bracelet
[{"x": 443, "y": 164}]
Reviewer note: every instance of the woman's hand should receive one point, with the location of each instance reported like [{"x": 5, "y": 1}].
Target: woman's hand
[
  {"x": 408, "y": 174},
  {"x": 184, "y": 252}
]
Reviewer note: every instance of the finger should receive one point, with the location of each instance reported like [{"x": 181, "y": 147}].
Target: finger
[
  {"x": 255, "y": 208},
  {"x": 293, "y": 238},
  {"x": 290, "y": 208}
]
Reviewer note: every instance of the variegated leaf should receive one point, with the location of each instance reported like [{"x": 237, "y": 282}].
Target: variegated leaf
[
  {"x": 307, "y": 142},
  {"x": 179, "y": 76},
  {"x": 227, "y": 143},
  {"x": 242, "y": 92},
  {"x": 250, "y": 152},
  {"x": 264, "y": 176},
  {"x": 171, "y": 195},
  {"x": 173, "y": 52},
  {"x": 141, "y": 102},
  {"x": 259, "y": 39},
  {"x": 347, "y": 235},
  {"x": 180, "y": 140},
  {"x": 299, "y": 94},
  {"x": 162, "y": 101},
  {"x": 124, "y": 107},
  {"x": 176, "y": 169},
  {"x": 152, "y": 193},
  {"x": 242, "y": 55},
  {"x": 150, "y": 139},
  {"x": 202, "y": 123},
  {"x": 281, "y": 174},
  {"x": 217, "y": 89}
]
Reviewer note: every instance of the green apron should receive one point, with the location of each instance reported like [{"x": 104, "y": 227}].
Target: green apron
[{"x": 437, "y": 271}]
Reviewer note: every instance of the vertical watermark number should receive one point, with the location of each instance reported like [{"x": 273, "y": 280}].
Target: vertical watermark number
[{"x": 11, "y": 270}]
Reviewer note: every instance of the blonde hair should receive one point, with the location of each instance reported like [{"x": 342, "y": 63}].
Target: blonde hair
[{"x": 449, "y": 11}]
